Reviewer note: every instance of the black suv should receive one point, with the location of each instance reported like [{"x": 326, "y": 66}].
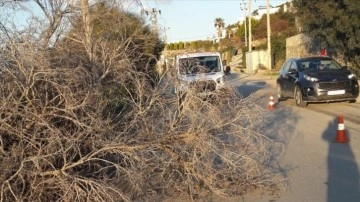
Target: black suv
[{"x": 316, "y": 79}]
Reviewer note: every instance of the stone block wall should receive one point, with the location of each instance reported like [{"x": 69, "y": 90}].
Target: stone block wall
[{"x": 297, "y": 46}]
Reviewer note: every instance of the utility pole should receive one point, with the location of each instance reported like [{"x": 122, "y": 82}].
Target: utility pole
[
  {"x": 243, "y": 8},
  {"x": 268, "y": 34},
  {"x": 165, "y": 35},
  {"x": 250, "y": 36},
  {"x": 153, "y": 17}
]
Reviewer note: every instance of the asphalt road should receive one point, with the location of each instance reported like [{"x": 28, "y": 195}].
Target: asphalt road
[{"x": 316, "y": 166}]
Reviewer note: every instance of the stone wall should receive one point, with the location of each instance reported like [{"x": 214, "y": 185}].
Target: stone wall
[
  {"x": 297, "y": 46},
  {"x": 301, "y": 46}
]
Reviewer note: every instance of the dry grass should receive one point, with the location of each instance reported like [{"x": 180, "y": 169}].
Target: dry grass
[
  {"x": 109, "y": 130},
  {"x": 56, "y": 143}
]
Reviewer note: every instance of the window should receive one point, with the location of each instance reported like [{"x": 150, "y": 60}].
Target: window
[
  {"x": 203, "y": 64},
  {"x": 293, "y": 66},
  {"x": 287, "y": 65},
  {"x": 330, "y": 64},
  {"x": 320, "y": 64}
]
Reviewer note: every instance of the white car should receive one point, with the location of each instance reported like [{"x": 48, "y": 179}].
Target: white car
[{"x": 202, "y": 71}]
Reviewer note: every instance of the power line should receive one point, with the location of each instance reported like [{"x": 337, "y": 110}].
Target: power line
[{"x": 140, "y": 3}]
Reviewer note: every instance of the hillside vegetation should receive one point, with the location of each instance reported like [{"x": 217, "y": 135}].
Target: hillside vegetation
[
  {"x": 333, "y": 25},
  {"x": 282, "y": 26}
]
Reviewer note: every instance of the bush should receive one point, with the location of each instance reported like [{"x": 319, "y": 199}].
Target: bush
[
  {"x": 110, "y": 129},
  {"x": 57, "y": 143}
]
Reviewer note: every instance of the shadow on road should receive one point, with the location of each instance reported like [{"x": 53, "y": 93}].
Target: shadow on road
[
  {"x": 235, "y": 77},
  {"x": 276, "y": 124},
  {"x": 343, "y": 171},
  {"x": 250, "y": 87}
]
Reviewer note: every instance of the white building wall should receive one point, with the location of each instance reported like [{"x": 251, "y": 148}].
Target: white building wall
[{"x": 255, "y": 60}]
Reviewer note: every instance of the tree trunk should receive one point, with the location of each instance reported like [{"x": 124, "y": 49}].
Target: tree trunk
[{"x": 85, "y": 12}]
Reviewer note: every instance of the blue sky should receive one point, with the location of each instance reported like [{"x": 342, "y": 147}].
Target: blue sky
[{"x": 186, "y": 20}]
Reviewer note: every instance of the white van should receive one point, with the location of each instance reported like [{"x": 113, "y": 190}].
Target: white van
[{"x": 202, "y": 71}]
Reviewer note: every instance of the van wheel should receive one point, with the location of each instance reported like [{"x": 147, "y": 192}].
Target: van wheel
[{"x": 299, "y": 98}]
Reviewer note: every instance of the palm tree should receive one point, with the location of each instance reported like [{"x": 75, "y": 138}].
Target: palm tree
[{"x": 219, "y": 25}]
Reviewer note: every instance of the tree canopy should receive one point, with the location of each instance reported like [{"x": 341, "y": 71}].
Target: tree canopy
[
  {"x": 219, "y": 24},
  {"x": 333, "y": 23}
]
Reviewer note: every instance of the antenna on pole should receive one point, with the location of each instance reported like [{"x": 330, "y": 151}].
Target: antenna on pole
[
  {"x": 154, "y": 20},
  {"x": 153, "y": 17}
]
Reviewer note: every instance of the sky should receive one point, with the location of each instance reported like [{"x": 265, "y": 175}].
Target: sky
[{"x": 188, "y": 20}]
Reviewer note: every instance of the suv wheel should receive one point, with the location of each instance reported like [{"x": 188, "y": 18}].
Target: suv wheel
[
  {"x": 299, "y": 98},
  {"x": 280, "y": 93}
]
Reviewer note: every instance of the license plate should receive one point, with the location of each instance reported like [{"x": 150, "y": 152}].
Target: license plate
[{"x": 336, "y": 92}]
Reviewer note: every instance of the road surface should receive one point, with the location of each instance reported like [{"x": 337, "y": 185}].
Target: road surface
[{"x": 318, "y": 168}]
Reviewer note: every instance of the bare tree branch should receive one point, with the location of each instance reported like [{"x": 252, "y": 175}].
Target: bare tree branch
[{"x": 111, "y": 129}]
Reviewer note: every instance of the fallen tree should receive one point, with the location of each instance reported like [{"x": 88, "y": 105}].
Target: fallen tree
[{"x": 109, "y": 129}]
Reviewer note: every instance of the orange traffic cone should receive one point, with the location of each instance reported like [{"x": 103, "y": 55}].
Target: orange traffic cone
[
  {"x": 341, "y": 134},
  {"x": 271, "y": 103}
]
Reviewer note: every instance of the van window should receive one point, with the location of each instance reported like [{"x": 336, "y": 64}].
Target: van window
[{"x": 203, "y": 64}]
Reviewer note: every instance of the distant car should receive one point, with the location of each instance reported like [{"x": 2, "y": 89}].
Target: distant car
[
  {"x": 201, "y": 71},
  {"x": 316, "y": 79}
]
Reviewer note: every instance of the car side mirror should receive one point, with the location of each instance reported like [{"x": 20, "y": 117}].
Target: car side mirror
[
  {"x": 345, "y": 67},
  {"x": 227, "y": 70},
  {"x": 292, "y": 71}
]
